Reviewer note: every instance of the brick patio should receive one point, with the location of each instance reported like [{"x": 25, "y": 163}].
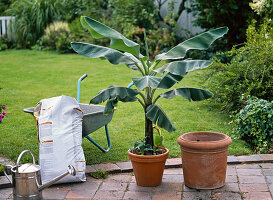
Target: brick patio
[{"x": 248, "y": 177}]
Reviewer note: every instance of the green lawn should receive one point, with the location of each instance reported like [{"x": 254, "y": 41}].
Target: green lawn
[{"x": 29, "y": 76}]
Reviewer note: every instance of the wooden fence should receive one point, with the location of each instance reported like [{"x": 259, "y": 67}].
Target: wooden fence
[{"x": 5, "y": 26}]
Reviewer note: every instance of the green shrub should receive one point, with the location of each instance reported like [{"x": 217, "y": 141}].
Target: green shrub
[
  {"x": 57, "y": 37},
  {"x": 32, "y": 17},
  {"x": 254, "y": 124},
  {"x": 250, "y": 71}
]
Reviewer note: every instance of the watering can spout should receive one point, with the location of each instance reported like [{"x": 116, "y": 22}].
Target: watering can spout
[{"x": 70, "y": 170}]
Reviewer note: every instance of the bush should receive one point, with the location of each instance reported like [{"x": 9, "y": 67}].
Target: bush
[
  {"x": 57, "y": 37},
  {"x": 224, "y": 13},
  {"x": 32, "y": 17},
  {"x": 250, "y": 71},
  {"x": 254, "y": 124}
]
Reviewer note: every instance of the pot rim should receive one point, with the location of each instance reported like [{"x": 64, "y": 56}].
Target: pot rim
[
  {"x": 222, "y": 143},
  {"x": 149, "y": 156}
]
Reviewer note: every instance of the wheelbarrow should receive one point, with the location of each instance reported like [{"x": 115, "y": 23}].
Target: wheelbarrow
[{"x": 93, "y": 119}]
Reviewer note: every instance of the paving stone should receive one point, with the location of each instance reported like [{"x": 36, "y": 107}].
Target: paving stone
[
  {"x": 257, "y": 196},
  {"x": 232, "y": 160},
  {"x": 231, "y": 170},
  {"x": 167, "y": 195},
  {"x": 176, "y": 187},
  {"x": 269, "y": 179},
  {"x": 196, "y": 195},
  {"x": 90, "y": 168},
  {"x": 231, "y": 179},
  {"x": 267, "y": 157},
  {"x": 248, "y": 166},
  {"x": 86, "y": 189},
  {"x": 253, "y": 187},
  {"x": 54, "y": 194},
  {"x": 137, "y": 195},
  {"x": 268, "y": 172},
  {"x": 125, "y": 166},
  {"x": 174, "y": 171},
  {"x": 108, "y": 195},
  {"x": 228, "y": 187},
  {"x": 267, "y": 165},
  {"x": 226, "y": 196},
  {"x": 188, "y": 189},
  {"x": 173, "y": 162},
  {"x": 109, "y": 167},
  {"x": 6, "y": 193},
  {"x": 6, "y": 161},
  {"x": 4, "y": 180},
  {"x": 137, "y": 188},
  {"x": 270, "y": 187},
  {"x": 111, "y": 186},
  {"x": 249, "y": 172},
  {"x": 91, "y": 179},
  {"x": 173, "y": 178},
  {"x": 251, "y": 179},
  {"x": 120, "y": 178},
  {"x": 250, "y": 159},
  {"x": 72, "y": 195}
]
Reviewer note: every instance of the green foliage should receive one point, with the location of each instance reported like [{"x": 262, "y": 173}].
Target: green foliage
[
  {"x": 138, "y": 12},
  {"x": 32, "y": 17},
  {"x": 2, "y": 169},
  {"x": 99, "y": 174},
  {"x": 126, "y": 51},
  {"x": 141, "y": 148},
  {"x": 254, "y": 124},
  {"x": 263, "y": 8},
  {"x": 230, "y": 13},
  {"x": 4, "y": 4},
  {"x": 6, "y": 43},
  {"x": 57, "y": 37},
  {"x": 250, "y": 71}
]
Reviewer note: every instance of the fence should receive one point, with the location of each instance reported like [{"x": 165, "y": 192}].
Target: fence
[{"x": 5, "y": 26}]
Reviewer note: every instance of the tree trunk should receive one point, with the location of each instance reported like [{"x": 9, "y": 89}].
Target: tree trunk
[{"x": 149, "y": 132}]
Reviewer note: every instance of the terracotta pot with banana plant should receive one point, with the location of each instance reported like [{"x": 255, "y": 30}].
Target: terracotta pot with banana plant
[{"x": 147, "y": 156}]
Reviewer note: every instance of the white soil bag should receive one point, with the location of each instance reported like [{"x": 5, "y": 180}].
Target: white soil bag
[{"x": 59, "y": 121}]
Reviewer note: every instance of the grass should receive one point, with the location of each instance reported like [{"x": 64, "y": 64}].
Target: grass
[{"x": 29, "y": 76}]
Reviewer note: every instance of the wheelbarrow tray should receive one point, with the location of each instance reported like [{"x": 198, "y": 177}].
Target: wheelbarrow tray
[{"x": 93, "y": 117}]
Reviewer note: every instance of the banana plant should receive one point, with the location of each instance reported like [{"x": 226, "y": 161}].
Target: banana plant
[{"x": 153, "y": 76}]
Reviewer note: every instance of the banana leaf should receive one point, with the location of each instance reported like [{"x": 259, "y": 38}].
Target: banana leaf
[
  {"x": 194, "y": 94},
  {"x": 199, "y": 42},
  {"x": 158, "y": 117}
]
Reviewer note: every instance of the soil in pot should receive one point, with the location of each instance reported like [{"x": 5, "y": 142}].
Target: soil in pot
[
  {"x": 148, "y": 169},
  {"x": 204, "y": 159}
]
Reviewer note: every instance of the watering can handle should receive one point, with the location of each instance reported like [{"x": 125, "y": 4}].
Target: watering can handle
[
  {"x": 19, "y": 158},
  {"x": 5, "y": 172}
]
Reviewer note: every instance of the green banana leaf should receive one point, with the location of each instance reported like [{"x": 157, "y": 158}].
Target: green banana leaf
[
  {"x": 118, "y": 41},
  {"x": 183, "y": 67},
  {"x": 115, "y": 93},
  {"x": 200, "y": 42},
  {"x": 110, "y": 106},
  {"x": 168, "y": 80},
  {"x": 194, "y": 94},
  {"x": 94, "y": 51},
  {"x": 157, "y": 116},
  {"x": 146, "y": 81}
]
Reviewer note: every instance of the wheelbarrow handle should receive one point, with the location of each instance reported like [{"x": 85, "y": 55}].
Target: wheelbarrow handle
[
  {"x": 79, "y": 87},
  {"x": 83, "y": 77}
]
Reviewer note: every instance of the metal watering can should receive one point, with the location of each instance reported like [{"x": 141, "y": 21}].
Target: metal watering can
[{"x": 26, "y": 179}]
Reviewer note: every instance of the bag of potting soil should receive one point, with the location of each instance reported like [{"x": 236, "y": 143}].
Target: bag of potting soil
[{"x": 59, "y": 123}]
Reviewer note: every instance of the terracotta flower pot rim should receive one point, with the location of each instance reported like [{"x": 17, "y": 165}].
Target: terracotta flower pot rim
[
  {"x": 217, "y": 144},
  {"x": 147, "y": 157}
]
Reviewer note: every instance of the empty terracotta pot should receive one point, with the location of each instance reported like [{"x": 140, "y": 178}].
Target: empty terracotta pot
[
  {"x": 204, "y": 159},
  {"x": 148, "y": 170}
]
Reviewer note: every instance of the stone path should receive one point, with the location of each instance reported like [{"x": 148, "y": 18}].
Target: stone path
[{"x": 248, "y": 178}]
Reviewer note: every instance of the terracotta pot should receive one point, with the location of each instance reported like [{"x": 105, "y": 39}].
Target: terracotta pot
[
  {"x": 204, "y": 159},
  {"x": 148, "y": 170}
]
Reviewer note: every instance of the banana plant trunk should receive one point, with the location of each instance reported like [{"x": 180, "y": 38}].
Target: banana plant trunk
[{"x": 149, "y": 132}]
